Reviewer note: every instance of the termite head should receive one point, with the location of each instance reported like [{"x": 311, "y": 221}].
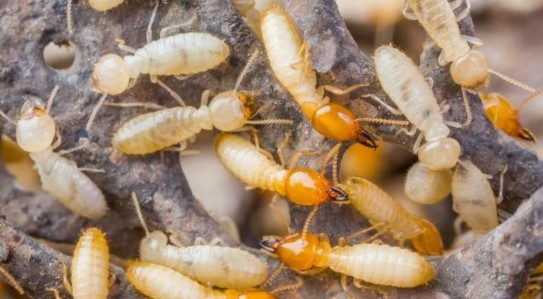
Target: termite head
[
  {"x": 336, "y": 121},
  {"x": 470, "y": 70},
  {"x": 103, "y": 5},
  {"x": 111, "y": 75},
  {"x": 300, "y": 251},
  {"x": 440, "y": 154},
  {"x": 35, "y": 129},
  {"x": 230, "y": 110},
  {"x": 305, "y": 186},
  {"x": 248, "y": 294},
  {"x": 152, "y": 243},
  {"x": 429, "y": 241}
]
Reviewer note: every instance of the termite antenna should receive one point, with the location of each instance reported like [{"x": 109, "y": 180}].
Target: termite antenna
[
  {"x": 149, "y": 33},
  {"x": 512, "y": 81},
  {"x": 383, "y": 121},
  {"x": 330, "y": 155},
  {"x": 467, "y": 107},
  {"x": 12, "y": 281},
  {"x": 94, "y": 112},
  {"x": 69, "y": 18},
  {"x": 335, "y": 168},
  {"x": 6, "y": 117},
  {"x": 530, "y": 98},
  {"x": 246, "y": 69},
  {"x": 308, "y": 220},
  {"x": 270, "y": 121},
  {"x": 51, "y": 98},
  {"x": 138, "y": 212},
  {"x": 274, "y": 275}
]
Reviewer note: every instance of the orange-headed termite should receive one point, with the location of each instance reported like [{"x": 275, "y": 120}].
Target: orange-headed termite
[
  {"x": 290, "y": 62},
  {"x": 35, "y": 131},
  {"x": 160, "y": 282},
  {"x": 150, "y": 132},
  {"x": 374, "y": 263},
  {"x": 90, "y": 267},
  {"x": 407, "y": 88},
  {"x": 224, "y": 267}
]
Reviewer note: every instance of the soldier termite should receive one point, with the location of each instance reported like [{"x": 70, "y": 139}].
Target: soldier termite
[
  {"x": 289, "y": 60},
  {"x": 90, "y": 267},
  {"x": 505, "y": 117},
  {"x": 160, "y": 282},
  {"x": 373, "y": 263},
  {"x": 469, "y": 68},
  {"x": 473, "y": 198},
  {"x": 407, "y": 88},
  {"x": 227, "y": 111},
  {"x": 224, "y": 267},
  {"x": 427, "y": 186},
  {"x": 35, "y": 131},
  {"x": 388, "y": 216},
  {"x": 175, "y": 55}
]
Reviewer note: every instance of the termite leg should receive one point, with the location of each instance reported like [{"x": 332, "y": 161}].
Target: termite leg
[
  {"x": 178, "y": 238},
  {"x": 149, "y": 33},
  {"x": 164, "y": 31},
  {"x": 382, "y": 103},
  {"x": 278, "y": 213},
  {"x": 345, "y": 286},
  {"x": 121, "y": 44},
  {"x": 132, "y": 105},
  {"x": 357, "y": 283},
  {"x": 93, "y": 170},
  {"x": 290, "y": 287},
  {"x": 174, "y": 94},
  {"x": 499, "y": 199},
  {"x": 464, "y": 13},
  {"x": 408, "y": 132},
  {"x": 12, "y": 281},
  {"x": 339, "y": 91},
  {"x": 441, "y": 59},
  {"x": 51, "y": 98},
  {"x": 376, "y": 227},
  {"x": 454, "y": 124},
  {"x": 417, "y": 143},
  {"x": 111, "y": 279},
  {"x": 217, "y": 242},
  {"x": 407, "y": 13},
  {"x": 204, "y": 99},
  {"x": 55, "y": 293},
  {"x": 83, "y": 144},
  {"x": 280, "y": 147},
  {"x": 467, "y": 107},
  {"x": 473, "y": 40},
  {"x": 65, "y": 280}
]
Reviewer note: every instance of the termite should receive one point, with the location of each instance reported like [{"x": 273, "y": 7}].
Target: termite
[
  {"x": 407, "y": 88},
  {"x": 374, "y": 263},
  {"x": 227, "y": 111},
  {"x": 388, "y": 216},
  {"x": 289, "y": 60},
  {"x": 224, "y": 267},
  {"x": 505, "y": 117},
  {"x": 427, "y": 186},
  {"x": 160, "y": 282},
  {"x": 469, "y": 67},
  {"x": 473, "y": 198},
  {"x": 35, "y": 131},
  {"x": 90, "y": 266}
]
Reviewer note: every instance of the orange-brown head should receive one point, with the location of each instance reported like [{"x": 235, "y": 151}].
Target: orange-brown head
[
  {"x": 337, "y": 122},
  {"x": 305, "y": 186},
  {"x": 299, "y": 251},
  {"x": 248, "y": 294}
]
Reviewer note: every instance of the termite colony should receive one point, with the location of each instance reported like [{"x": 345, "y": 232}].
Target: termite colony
[{"x": 169, "y": 268}]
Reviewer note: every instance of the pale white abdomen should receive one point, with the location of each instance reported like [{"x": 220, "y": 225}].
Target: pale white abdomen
[
  {"x": 154, "y": 131},
  {"x": 180, "y": 54},
  {"x": 283, "y": 47},
  {"x": 62, "y": 178},
  {"x": 439, "y": 21},
  {"x": 90, "y": 266},
  {"x": 223, "y": 267},
  {"x": 381, "y": 264},
  {"x": 406, "y": 87},
  {"x": 249, "y": 164}
]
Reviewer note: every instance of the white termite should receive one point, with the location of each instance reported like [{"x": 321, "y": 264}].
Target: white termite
[
  {"x": 35, "y": 131},
  {"x": 224, "y": 267},
  {"x": 427, "y": 186}
]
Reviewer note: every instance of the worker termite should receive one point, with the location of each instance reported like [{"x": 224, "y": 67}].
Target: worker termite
[
  {"x": 373, "y": 263},
  {"x": 289, "y": 60},
  {"x": 406, "y": 87},
  {"x": 469, "y": 68},
  {"x": 90, "y": 266},
  {"x": 224, "y": 267},
  {"x": 35, "y": 131},
  {"x": 505, "y": 117},
  {"x": 160, "y": 282},
  {"x": 473, "y": 198},
  {"x": 427, "y": 186},
  {"x": 227, "y": 111},
  {"x": 388, "y": 216}
]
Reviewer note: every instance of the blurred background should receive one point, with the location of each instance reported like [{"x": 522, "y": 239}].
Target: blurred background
[{"x": 511, "y": 32}]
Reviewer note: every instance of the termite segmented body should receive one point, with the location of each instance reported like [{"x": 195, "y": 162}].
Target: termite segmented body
[
  {"x": 103, "y": 5},
  {"x": 180, "y": 54},
  {"x": 292, "y": 67},
  {"x": 473, "y": 198},
  {"x": 504, "y": 116},
  {"x": 161, "y": 282},
  {"x": 406, "y": 87},
  {"x": 303, "y": 186},
  {"x": 35, "y": 131},
  {"x": 389, "y": 216},
  {"x": 427, "y": 186},
  {"x": 90, "y": 266},
  {"x": 469, "y": 67},
  {"x": 374, "y": 263}
]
